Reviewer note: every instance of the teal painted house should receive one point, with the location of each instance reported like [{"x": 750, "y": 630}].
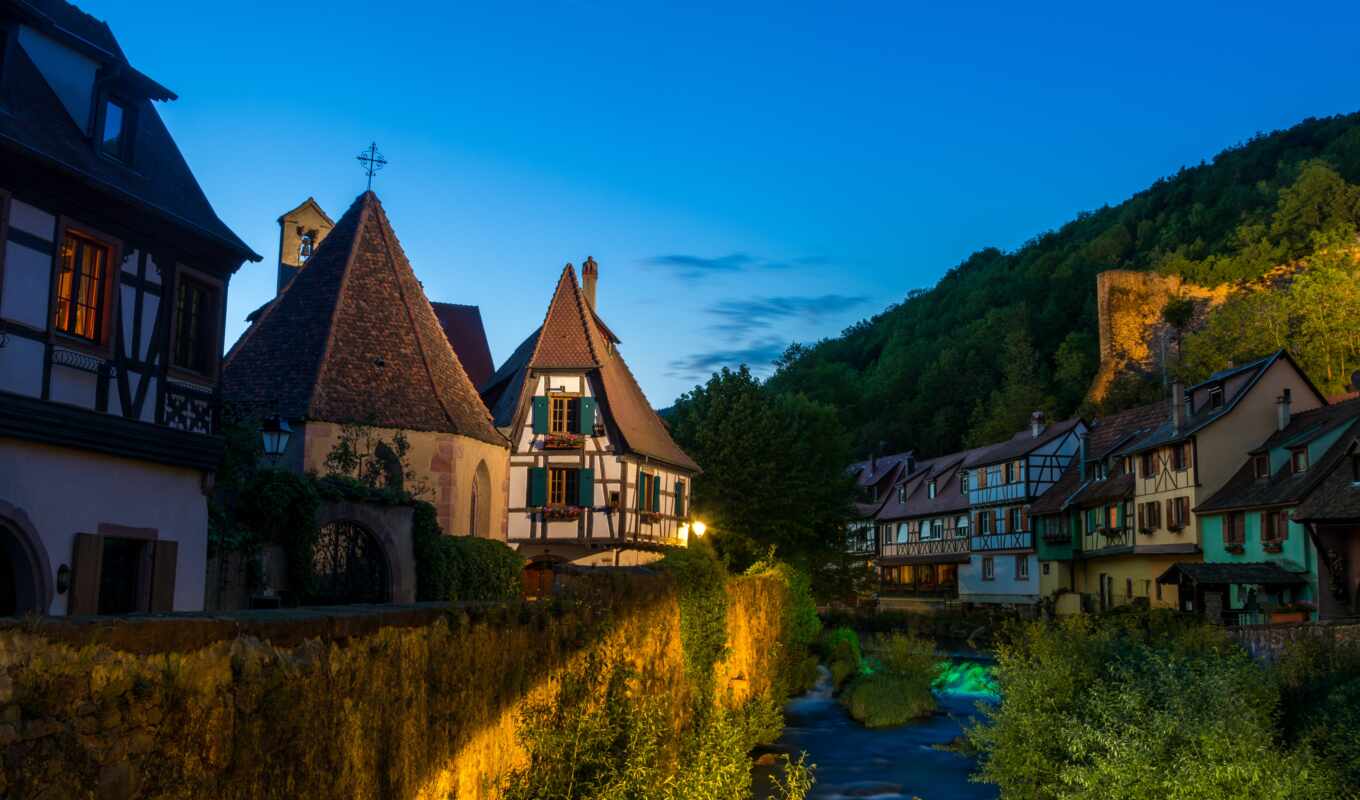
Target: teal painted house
[{"x": 1260, "y": 562}]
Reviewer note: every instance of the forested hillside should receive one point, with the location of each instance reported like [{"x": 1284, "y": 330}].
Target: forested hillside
[{"x": 1003, "y": 334}]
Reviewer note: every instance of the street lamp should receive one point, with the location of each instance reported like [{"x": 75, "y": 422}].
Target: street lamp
[
  {"x": 699, "y": 528},
  {"x": 275, "y": 433}
]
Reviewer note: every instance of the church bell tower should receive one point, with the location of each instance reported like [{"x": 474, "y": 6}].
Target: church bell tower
[{"x": 301, "y": 231}]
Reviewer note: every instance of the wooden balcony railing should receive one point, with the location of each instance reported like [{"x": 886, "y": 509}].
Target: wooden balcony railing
[
  {"x": 1023, "y": 540},
  {"x": 948, "y": 545}
]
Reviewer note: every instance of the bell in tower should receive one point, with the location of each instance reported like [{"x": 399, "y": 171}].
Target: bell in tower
[{"x": 301, "y": 231}]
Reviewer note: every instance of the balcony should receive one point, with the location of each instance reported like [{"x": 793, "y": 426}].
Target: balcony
[
  {"x": 1022, "y": 540},
  {"x": 949, "y": 545}
]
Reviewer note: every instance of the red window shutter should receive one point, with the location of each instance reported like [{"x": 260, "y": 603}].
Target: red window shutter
[{"x": 86, "y": 564}]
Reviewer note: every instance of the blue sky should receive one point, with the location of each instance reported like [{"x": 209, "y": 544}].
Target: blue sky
[{"x": 745, "y": 177}]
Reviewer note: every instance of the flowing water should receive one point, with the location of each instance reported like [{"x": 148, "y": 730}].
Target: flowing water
[{"x": 888, "y": 763}]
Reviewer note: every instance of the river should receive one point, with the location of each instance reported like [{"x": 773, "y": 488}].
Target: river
[{"x": 888, "y": 763}]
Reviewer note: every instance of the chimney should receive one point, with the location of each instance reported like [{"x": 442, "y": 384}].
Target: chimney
[
  {"x": 590, "y": 274},
  {"x": 1282, "y": 404},
  {"x": 1081, "y": 455},
  {"x": 1036, "y": 424},
  {"x": 1177, "y": 406}
]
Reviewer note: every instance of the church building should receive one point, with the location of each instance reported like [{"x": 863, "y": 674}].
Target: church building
[
  {"x": 595, "y": 478},
  {"x": 352, "y": 339}
]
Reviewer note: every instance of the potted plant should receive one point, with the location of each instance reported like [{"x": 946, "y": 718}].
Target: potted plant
[
  {"x": 557, "y": 513},
  {"x": 1297, "y": 611},
  {"x": 1234, "y": 548},
  {"x": 563, "y": 441},
  {"x": 1272, "y": 547}
]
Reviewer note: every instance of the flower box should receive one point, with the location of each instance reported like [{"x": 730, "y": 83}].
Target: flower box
[
  {"x": 1281, "y": 615},
  {"x": 563, "y": 441},
  {"x": 561, "y": 513},
  {"x": 649, "y": 516},
  {"x": 1272, "y": 547},
  {"x": 1236, "y": 549}
]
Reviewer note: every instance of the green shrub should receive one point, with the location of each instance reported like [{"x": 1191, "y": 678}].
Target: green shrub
[
  {"x": 802, "y": 625},
  {"x": 908, "y": 654},
  {"x": 279, "y": 506},
  {"x": 701, "y": 581},
  {"x": 1320, "y": 688},
  {"x": 462, "y": 568},
  {"x": 1134, "y": 708},
  {"x": 841, "y": 649},
  {"x": 884, "y": 699}
]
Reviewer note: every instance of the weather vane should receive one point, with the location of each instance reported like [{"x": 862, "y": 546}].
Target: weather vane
[{"x": 371, "y": 161}]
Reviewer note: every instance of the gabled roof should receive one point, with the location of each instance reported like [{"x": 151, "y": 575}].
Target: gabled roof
[
  {"x": 353, "y": 339},
  {"x": 867, "y": 473},
  {"x": 1025, "y": 442},
  {"x": 1105, "y": 435},
  {"x": 1336, "y": 496},
  {"x": 311, "y": 203},
  {"x": 1285, "y": 487},
  {"x": 1259, "y": 573},
  {"x": 572, "y": 338},
  {"x": 463, "y": 328},
  {"x": 948, "y": 499},
  {"x": 1055, "y": 498},
  {"x": 159, "y": 181},
  {"x": 1166, "y": 433}
]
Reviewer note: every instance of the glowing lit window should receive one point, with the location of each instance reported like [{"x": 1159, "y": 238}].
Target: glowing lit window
[{"x": 81, "y": 300}]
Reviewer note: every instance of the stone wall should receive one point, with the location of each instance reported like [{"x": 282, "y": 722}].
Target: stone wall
[
  {"x": 416, "y": 701},
  {"x": 1268, "y": 642}
]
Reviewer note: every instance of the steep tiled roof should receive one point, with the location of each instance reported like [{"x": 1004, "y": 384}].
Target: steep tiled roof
[
  {"x": 948, "y": 498},
  {"x": 1266, "y": 573},
  {"x": 159, "y": 181},
  {"x": 1025, "y": 442},
  {"x": 573, "y": 338},
  {"x": 868, "y": 473},
  {"x": 1337, "y": 495},
  {"x": 1109, "y": 432},
  {"x": 353, "y": 339},
  {"x": 463, "y": 328},
  {"x": 1116, "y": 487},
  {"x": 1285, "y": 487}
]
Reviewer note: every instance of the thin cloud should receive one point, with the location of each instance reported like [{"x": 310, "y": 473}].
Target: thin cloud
[
  {"x": 758, "y": 355},
  {"x": 745, "y": 317},
  {"x": 691, "y": 267}
]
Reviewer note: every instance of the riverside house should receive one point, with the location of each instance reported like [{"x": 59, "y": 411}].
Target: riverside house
[
  {"x": 1003, "y": 565},
  {"x": 874, "y": 482},
  {"x": 595, "y": 478},
  {"x": 1184, "y": 461},
  {"x": 924, "y": 526},
  {"x": 113, "y": 289},
  {"x": 1260, "y": 563}
]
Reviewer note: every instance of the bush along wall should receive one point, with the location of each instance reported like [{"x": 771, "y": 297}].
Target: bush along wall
[{"x": 472, "y": 702}]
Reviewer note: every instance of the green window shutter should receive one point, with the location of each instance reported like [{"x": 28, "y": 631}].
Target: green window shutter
[
  {"x": 656, "y": 494},
  {"x": 679, "y": 498},
  {"x": 642, "y": 491},
  {"x": 585, "y": 416},
  {"x": 538, "y": 486},
  {"x": 540, "y": 415},
  {"x": 586, "y": 482}
]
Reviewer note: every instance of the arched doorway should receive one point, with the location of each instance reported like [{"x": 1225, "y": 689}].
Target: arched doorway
[
  {"x": 349, "y": 565},
  {"x": 25, "y": 574},
  {"x": 479, "y": 521}
]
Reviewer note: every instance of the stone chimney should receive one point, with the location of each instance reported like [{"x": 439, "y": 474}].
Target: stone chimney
[
  {"x": 590, "y": 275},
  {"x": 1282, "y": 408},
  {"x": 1036, "y": 424},
  {"x": 1177, "y": 406}
]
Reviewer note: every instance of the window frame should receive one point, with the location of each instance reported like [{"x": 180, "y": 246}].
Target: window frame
[
  {"x": 571, "y": 481},
  {"x": 1022, "y": 567},
  {"x": 1215, "y": 398},
  {"x": 217, "y": 292},
  {"x": 103, "y": 346},
  {"x": 931, "y": 489},
  {"x": 1180, "y": 457},
  {"x": 129, "y": 130},
  {"x": 988, "y": 569},
  {"x": 1257, "y": 462},
  {"x": 572, "y": 413},
  {"x": 1295, "y": 456}
]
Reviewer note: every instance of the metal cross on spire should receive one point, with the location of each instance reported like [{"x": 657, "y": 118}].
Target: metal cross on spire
[{"x": 371, "y": 161}]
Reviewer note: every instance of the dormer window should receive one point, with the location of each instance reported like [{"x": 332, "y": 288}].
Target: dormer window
[
  {"x": 930, "y": 489},
  {"x": 1215, "y": 397},
  {"x": 1298, "y": 460},
  {"x": 901, "y": 494},
  {"x": 963, "y": 481},
  {"x": 115, "y": 140},
  {"x": 1261, "y": 465}
]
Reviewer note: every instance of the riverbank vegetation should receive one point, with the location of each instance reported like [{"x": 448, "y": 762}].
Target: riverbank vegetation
[
  {"x": 1142, "y": 706},
  {"x": 895, "y": 686}
]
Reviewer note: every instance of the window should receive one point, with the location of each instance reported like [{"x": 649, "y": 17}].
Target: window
[
  {"x": 930, "y": 489},
  {"x": 1234, "y": 529},
  {"x": 984, "y": 522},
  {"x": 1149, "y": 516},
  {"x": 114, "y": 135},
  {"x": 562, "y": 415},
  {"x": 1046, "y": 566},
  {"x": 963, "y": 481},
  {"x": 999, "y": 524},
  {"x": 901, "y": 494},
  {"x": 1022, "y": 568},
  {"x": 1260, "y": 464},
  {"x": 1177, "y": 512},
  {"x": 614, "y": 500},
  {"x": 1019, "y": 472},
  {"x": 1298, "y": 460},
  {"x": 988, "y": 569},
  {"x": 195, "y": 334},
  {"x": 1180, "y": 456},
  {"x": 1275, "y": 526},
  {"x": 902, "y": 532},
  {"x": 1148, "y": 464},
  {"x": 679, "y": 498},
  {"x": 1112, "y": 517},
  {"x": 82, "y": 273},
  {"x": 562, "y": 486},
  {"x": 306, "y": 244},
  {"x": 649, "y": 495},
  {"x": 1215, "y": 397},
  {"x": 1010, "y": 472},
  {"x": 961, "y": 526}
]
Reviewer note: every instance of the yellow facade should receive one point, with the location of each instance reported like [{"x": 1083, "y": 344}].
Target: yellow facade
[{"x": 1129, "y": 578}]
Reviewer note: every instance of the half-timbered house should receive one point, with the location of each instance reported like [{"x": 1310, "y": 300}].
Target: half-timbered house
[
  {"x": 874, "y": 481},
  {"x": 595, "y": 478},
  {"x": 1002, "y": 565},
  {"x": 352, "y": 340},
  {"x": 113, "y": 286},
  {"x": 1182, "y": 462}
]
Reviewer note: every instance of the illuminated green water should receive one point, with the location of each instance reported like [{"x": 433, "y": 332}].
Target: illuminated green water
[{"x": 965, "y": 678}]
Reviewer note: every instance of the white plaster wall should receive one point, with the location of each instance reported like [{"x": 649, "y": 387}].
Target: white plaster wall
[
  {"x": 21, "y": 366},
  {"x": 1005, "y": 588},
  {"x": 65, "y": 492},
  {"x": 27, "y": 286},
  {"x": 30, "y": 219},
  {"x": 73, "y": 386}
]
